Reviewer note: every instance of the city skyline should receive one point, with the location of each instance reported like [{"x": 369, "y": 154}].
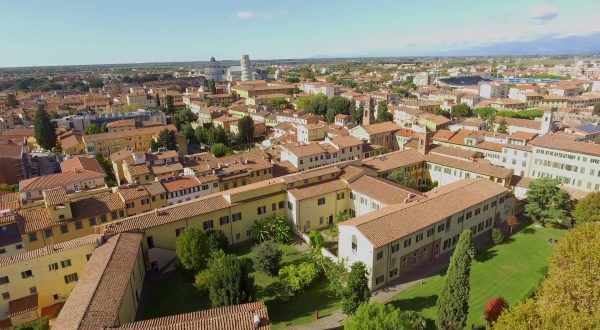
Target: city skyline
[{"x": 137, "y": 32}]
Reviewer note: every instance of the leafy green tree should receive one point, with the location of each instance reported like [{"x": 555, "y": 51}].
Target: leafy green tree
[
  {"x": 276, "y": 228},
  {"x": 216, "y": 135},
  {"x": 314, "y": 104},
  {"x": 404, "y": 178},
  {"x": 188, "y": 131},
  {"x": 461, "y": 111},
  {"x": 93, "y": 129},
  {"x": 356, "y": 114},
  {"x": 44, "y": 132},
  {"x": 453, "y": 302},
  {"x": 297, "y": 277},
  {"x": 278, "y": 103},
  {"x": 384, "y": 317},
  {"x": 217, "y": 240},
  {"x": 11, "y": 100},
  {"x": 220, "y": 150},
  {"x": 157, "y": 101},
  {"x": 201, "y": 134},
  {"x": 596, "y": 111},
  {"x": 106, "y": 165},
  {"x": 54, "y": 115},
  {"x": 229, "y": 281},
  {"x": 547, "y": 202},
  {"x": 502, "y": 127},
  {"x": 486, "y": 112},
  {"x": 292, "y": 80},
  {"x": 170, "y": 105},
  {"x": 383, "y": 114},
  {"x": 357, "y": 290},
  {"x": 267, "y": 257},
  {"x": 245, "y": 130},
  {"x": 192, "y": 249},
  {"x": 338, "y": 105},
  {"x": 588, "y": 208},
  {"x": 166, "y": 139},
  {"x": 316, "y": 241},
  {"x": 212, "y": 87}
]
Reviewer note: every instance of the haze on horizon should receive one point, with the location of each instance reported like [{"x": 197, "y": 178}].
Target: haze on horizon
[{"x": 69, "y": 32}]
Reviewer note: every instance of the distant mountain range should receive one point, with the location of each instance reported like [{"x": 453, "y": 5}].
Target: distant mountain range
[{"x": 574, "y": 45}]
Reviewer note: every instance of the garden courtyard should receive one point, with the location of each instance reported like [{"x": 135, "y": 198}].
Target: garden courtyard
[{"x": 512, "y": 270}]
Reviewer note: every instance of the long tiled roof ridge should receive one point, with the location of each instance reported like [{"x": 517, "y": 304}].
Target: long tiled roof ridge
[{"x": 49, "y": 249}]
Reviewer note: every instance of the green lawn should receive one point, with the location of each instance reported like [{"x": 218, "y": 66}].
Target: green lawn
[
  {"x": 172, "y": 294},
  {"x": 511, "y": 270}
]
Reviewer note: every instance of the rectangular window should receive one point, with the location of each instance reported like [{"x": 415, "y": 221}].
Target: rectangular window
[
  {"x": 224, "y": 220},
  {"x": 71, "y": 278},
  {"x": 150, "y": 241},
  {"x": 407, "y": 242},
  {"x": 493, "y": 203},
  {"x": 92, "y": 221},
  {"x": 340, "y": 196},
  {"x": 178, "y": 231},
  {"x": 379, "y": 255},
  {"x": 273, "y": 206},
  {"x": 4, "y": 280},
  {"x": 26, "y": 274},
  {"x": 281, "y": 204},
  {"x": 236, "y": 217},
  {"x": 64, "y": 229},
  {"x": 208, "y": 224},
  {"x": 237, "y": 236},
  {"x": 430, "y": 232},
  {"x": 48, "y": 232},
  {"x": 460, "y": 219},
  {"x": 441, "y": 227},
  {"x": 290, "y": 205},
  {"x": 103, "y": 218},
  {"x": 395, "y": 248},
  {"x": 379, "y": 280},
  {"x": 32, "y": 237},
  {"x": 5, "y": 295},
  {"x": 419, "y": 237},
  {"x": 65, "y": 263},
  {"x": 321, "y": 201},
  {"x": 261, "y": 210},
  {"x": 469, "y": 215},
  {"x": 121, "y": 214},
  {"x": 477, "y": 211},
  {"x": 78, "y": 225}
]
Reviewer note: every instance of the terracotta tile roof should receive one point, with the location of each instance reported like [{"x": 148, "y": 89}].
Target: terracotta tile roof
[
  {"x": 10, "y": 200},
  {"x": 132, "y": 192},
  {"x": 480, "y": 167},
  {"x": 153, "y": 130},
  {"x": 397, "y": 221},
  {"x": 531, "y": 124},
  {"x": 120, "y": 155},
  {"x": 81, "y": 163},
  {"x": 163, "y": 169},
  {"x": 351, "y": 173},
  {"x": 155, "y": 188},
  {"x": 32, "y": 220},
  {"x": 304, "y": 150},
  {"x": 97, "y": 205},
  {"x": 239, "y": 317},
  {"x": 70, "y": 140},
  {"x": 383, "y": 127},
  {"x": 55, "y": 196},
  {"x": 141, "y": 169},
  {"x": 317, "y": 189},
  {"x": 11, "y": 150},
  {"x": 121, "y": 123},
  {"x": 58, "y": 179},
  {"x": 321, "y": 171},
  {"x": 171, "y": 213},
  {"x": 453, "y": 152},
  {"x": 393, "y": 160},
  {"x": 22, "y": 305},
  {"x": 564, "y": 143},
  {"x": 50, "y": 249},
  {"x": 180, "y": 183},
  {"x": 96, "y": 300},
  {"x": 283, "y": 168},
  {"x": 383, "y": 190},
  {"x": 346, "y": 141},
  {"x": 523, "y": 135}
]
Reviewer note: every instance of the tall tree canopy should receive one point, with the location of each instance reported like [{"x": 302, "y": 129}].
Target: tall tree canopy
[
  {"x": 229, "y": 281},
  {"x": 170, "y": 105},
  {"x": 383, "y": 114},
  {"x": 44, "y": 132},
  {"x": 357, "y": 290},
  {"x": 404, "y": 178},
  {"x": 338, "y": 105},
  {"x": 588, "y": 208},
  {"x": 245, "y": 130},
  {"x": 384, "y": 317},
  {"x": 166, "y": 139},
  {"x": 453, "y": 302},
  {"x": 193, "y": 249},
  {"x": 314, "y": 104},
  {"x": 547, "y": 202}
]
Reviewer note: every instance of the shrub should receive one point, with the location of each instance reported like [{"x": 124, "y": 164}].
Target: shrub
[
  {"x": 497, "y": 235},
  {"x": 297, "y": 277},
  {"x": 267, "y": 257},
  {"x": 494, "y": 308},
  {"x": 202, "y": 280}
]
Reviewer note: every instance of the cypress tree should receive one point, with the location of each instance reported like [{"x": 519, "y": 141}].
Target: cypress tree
[
  {"x": 453, "y": 302},
  {"x": 157, "y": 101},
  {"x": 45, "y": 134},
  {"x": 357, "y": 291}
]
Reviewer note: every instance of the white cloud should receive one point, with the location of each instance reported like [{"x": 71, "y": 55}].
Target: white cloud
[
  {"x": 543, "y": 12},
  {"x": 244, "y": 15}
]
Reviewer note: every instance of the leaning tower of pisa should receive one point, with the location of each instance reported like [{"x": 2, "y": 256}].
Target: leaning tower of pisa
[{"x": 246, "y": 68}]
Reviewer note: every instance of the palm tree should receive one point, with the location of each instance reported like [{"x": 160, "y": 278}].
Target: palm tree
[{"x": 277, "y": 228}]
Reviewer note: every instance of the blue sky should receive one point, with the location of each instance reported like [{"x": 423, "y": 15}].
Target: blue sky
[{"x": 59, "y": 32}]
